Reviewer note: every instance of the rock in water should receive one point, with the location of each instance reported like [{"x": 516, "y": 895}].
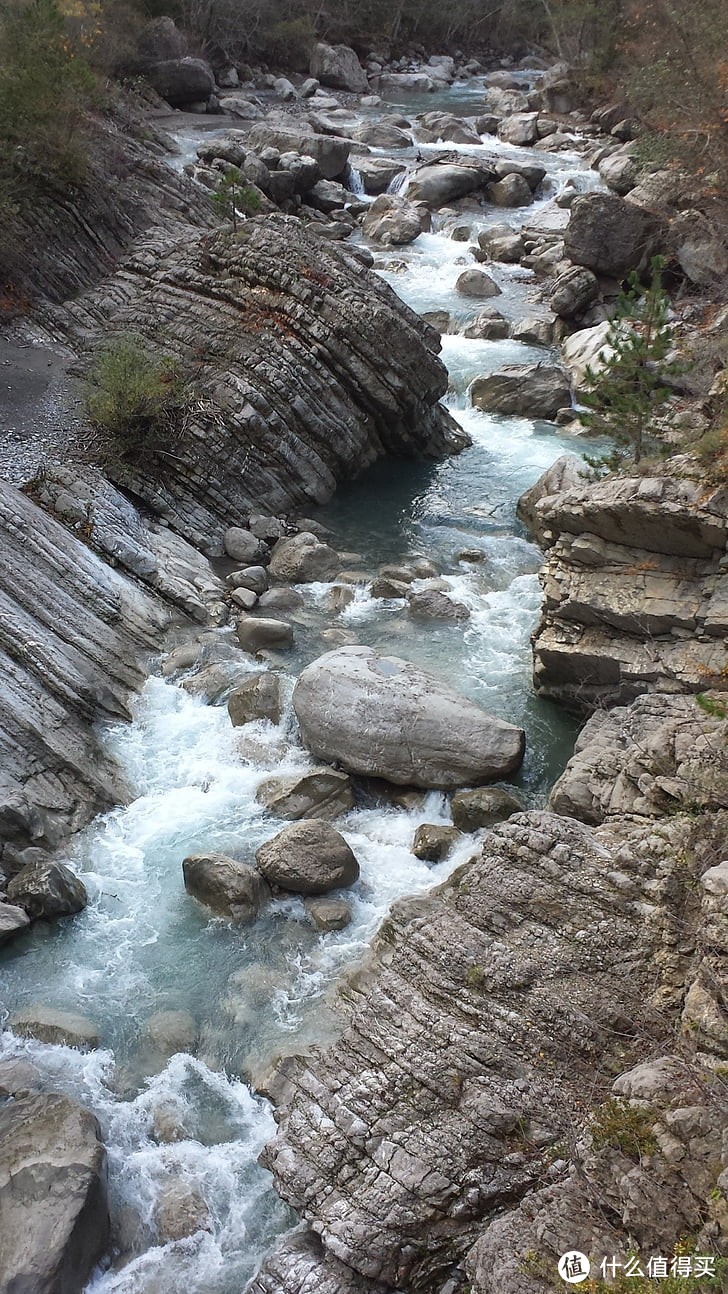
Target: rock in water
[
  {"x": 385, "y": 717},
  {"x": 309, "y": 857},
  {"x": 12, "y": 921},
  {"x": 317, "y": 793},
  {"x": 54, "y": 1216},
  {"x": 257, "y": 697},
  {"x": 230, "y": 888},
  {"x": 303, "y": 559},
  {"x": 61, "y": 1028},
  {"x": 302, "y": 329},
  {"x": 531, "y": 391},
  {"x": 48, "y": 890}
]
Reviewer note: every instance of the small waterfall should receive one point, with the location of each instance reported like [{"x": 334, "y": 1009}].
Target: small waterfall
[
  {"x": 354, "y": 182},
  {"x": 398, "y": 184}
]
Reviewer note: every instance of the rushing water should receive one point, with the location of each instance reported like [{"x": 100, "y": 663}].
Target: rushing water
[{"x": 142, "y": 945}]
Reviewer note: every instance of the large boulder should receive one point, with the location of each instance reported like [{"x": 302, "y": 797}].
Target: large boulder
[
  {"x": 338, "y": 66},
  {"x": 303, "y": 559},
  {"x": 48, "y": 889},
  {"x": 377, "y": 173},
  {"x": 317, "y": 793},
  {"x": 330, "y": 152},
  {"x": 512, "y": 191},
  {"x": 381, "y": 134},
  {"x": 256, "y": 633},
  {"x": 531, "y": 391},
  {"x": 609, "y": 235},
  {"x": 257, "y": 697},
  {"x": 308, "y": 857},
  {"x": 586, "y": 352},
  {"x": 384, "y": 717},
  {"x": 478, "y": 284},
  {"x": 392, "y": 221},
  {"x": 54, "y": 1215},
  {"x": 227, "y": 887},
  {"x": 160, "y": 41},
  {"x": 521, "y": 129},
  {"x": 440, "y": 183},
  {"x": 181, "y": 81}
]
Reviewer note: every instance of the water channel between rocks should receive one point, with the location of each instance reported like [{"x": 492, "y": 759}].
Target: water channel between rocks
[{"x": 143, "y": 946}]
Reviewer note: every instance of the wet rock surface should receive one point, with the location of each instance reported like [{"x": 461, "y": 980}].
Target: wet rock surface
[{"x": 53, "y": 1196}]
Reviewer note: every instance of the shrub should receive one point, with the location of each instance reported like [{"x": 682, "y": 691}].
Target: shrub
[
  {"x": 138, "y": 402},
  {"x": 624, "y": 1127}
]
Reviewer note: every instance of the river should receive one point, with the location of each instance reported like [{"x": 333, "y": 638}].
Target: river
[{"x": 142, "y": 945}]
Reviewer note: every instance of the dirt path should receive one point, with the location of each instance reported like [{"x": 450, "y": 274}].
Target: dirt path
[{"x": 41, "y": 408}]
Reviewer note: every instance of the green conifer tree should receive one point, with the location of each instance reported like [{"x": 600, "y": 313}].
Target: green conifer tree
[{"x": 629, "y": 393}]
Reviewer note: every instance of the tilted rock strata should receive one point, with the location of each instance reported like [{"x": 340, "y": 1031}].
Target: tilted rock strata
[
  {"x": 75, "y": 639},
  {"x": 286, "y": 334},
  {"x": 482, "y": 1012},
  {"x": 450, "y": 1123},
  {"x": 636, "y": 589}
]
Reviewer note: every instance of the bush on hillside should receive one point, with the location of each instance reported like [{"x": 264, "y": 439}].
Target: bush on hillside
[{"x": 139, "y": 403}]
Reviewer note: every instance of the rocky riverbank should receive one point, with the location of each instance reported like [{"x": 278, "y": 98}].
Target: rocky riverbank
[{"x": 530, "y": 1059}]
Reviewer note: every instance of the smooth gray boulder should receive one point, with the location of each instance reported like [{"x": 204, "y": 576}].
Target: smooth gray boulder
[
  {"x": 257, "y": 697},
  {"x": 227, "y": 887},
  {"x": 330, "y": 152},
  {"x": 441, "y": 183},
  {"x": 338, "y": 67},
  {"x": 49, "y": 890},
  {"x": 243, "y": 546},
  {"x": 308, "y": 857},
  {"x": 256, "y": 634},
  {"x": 181, "y": 81},
  {"x": 382, "y": 716},
  {"x": 54, "y": 1214},
  {"x": 303, "y": 559},
  {"x": 531, "y": 391},
  {"x": 431, "y": 604},
  {"x": 60, "y": 1028},
  {"x": 478, "y": 284}
]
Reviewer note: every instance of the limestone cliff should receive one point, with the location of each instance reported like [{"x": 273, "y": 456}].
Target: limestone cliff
[{"x": 635, "y": 586}]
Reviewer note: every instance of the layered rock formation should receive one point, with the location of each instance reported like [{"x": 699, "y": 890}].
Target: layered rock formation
[
  {"x": 478, "y": 1109},
  {"x": 285, "y": 333},
  {"x": 635, "y": 584},
  {"x": 72, "y": 659}
]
